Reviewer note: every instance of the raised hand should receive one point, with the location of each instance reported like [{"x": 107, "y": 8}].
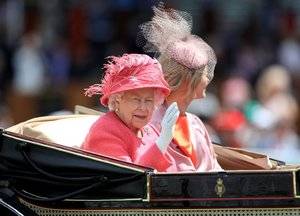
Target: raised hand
[{"x": 167, "y": 127}]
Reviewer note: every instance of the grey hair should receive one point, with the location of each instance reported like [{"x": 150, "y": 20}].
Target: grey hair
[{"x": 113, "y": 100}]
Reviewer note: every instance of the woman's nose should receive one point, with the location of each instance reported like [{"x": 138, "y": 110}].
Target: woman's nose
[{"x": 142, "y": 105}]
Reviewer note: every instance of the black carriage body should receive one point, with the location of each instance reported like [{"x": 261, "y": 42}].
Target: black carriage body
[{"x": 46, "y": 177}]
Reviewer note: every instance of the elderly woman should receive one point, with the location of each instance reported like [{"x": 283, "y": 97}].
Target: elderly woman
[
  {"x": 132, "y": 87},
  {"x": 188, "y": 64}
]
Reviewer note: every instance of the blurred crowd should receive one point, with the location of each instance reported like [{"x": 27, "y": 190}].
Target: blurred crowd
[{"x": 51, "y": 50}]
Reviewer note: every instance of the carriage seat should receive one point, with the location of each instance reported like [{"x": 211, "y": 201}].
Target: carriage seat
[
  {"x": 71, "y": 130},
  {"x": 67, "y": 130}
]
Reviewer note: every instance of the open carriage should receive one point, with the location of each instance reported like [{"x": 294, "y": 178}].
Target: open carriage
[{"x": 40, "y": 176}]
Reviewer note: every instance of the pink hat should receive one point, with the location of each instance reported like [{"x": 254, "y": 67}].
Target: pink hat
[
  {"x": 169, "y": 34},
  {"x": 128, "y": 72},
  {"x": 191, "y": 52}
]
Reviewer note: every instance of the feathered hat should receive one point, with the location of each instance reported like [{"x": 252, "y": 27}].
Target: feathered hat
[
  {"x": 169, "y": 34},
  {"x": 128, "y": 72}
]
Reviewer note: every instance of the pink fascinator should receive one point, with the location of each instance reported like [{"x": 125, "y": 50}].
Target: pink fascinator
[
  {"x": 169, "y": 34},
  {"x": 128, "y": 72}
]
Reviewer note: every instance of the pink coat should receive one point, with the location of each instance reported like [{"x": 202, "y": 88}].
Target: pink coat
[
  {"x": 200, "y": 140},
  {"x": 109, "y": 136}
]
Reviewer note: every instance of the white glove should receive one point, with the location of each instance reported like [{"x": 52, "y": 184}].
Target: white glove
[{"x": 167, "y": 127}]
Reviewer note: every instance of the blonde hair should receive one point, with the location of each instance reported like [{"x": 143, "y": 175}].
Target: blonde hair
[
  {"x": 175, "y": 73},
  {"x": 274, "y": 79}
]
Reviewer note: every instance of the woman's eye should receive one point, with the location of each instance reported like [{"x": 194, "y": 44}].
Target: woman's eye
[{"x": 137, "y": 99}]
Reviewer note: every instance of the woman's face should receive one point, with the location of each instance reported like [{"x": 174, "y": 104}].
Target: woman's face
[
  {"x": 183, "y": 96},
  {"x": 135, "y": 107},
  {"x": 200, "y": 90}
]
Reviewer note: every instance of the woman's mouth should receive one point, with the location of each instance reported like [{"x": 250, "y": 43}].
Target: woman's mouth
[{"x": 141, "y": 117}]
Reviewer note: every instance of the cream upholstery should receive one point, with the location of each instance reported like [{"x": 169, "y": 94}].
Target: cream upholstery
[{"x": 68, "y": 130}]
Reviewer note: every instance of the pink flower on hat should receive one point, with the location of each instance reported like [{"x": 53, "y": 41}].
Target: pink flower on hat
[{"x": 128, "y": 72}]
